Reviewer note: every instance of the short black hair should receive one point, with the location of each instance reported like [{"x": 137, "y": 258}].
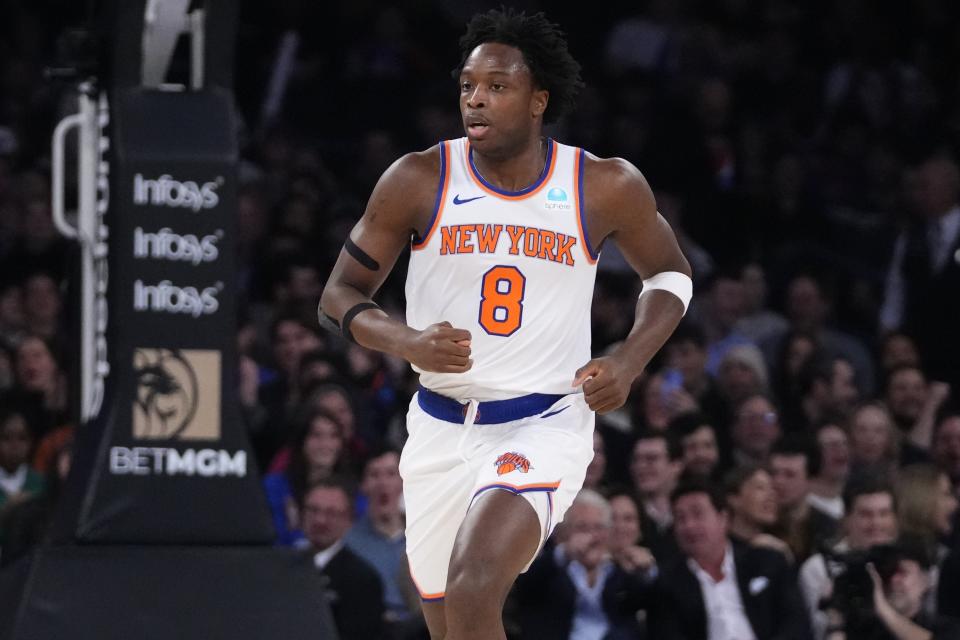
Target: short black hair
[
  {"x": 688, "y": 332},
  {"x": 695, "y": 484},
  {"x": 818, "y": 367},
  {"x": 685, "y": 424},
  {"x": 799, "y": 444},
  {"x": 333, "y": 482},
  {"x": 544, "y": 49},
  {"x": 865, "y": 485},
  {"x": 738, "y": 476},
  {"x": 378, "y": 450},
  {"x": 674, "y": 448}
]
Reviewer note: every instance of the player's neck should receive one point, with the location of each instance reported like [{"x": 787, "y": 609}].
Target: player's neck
[{"x": 516, "y": 169}]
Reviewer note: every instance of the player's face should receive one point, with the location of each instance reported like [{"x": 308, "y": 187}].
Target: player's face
[{"x": 499, "y": 102}]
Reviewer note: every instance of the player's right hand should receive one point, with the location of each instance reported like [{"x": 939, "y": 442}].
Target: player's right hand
[{"x": 440, "y": 349}]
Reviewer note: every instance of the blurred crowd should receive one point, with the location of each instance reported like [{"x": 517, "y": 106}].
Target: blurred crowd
[{"x": 804, "y": 416}]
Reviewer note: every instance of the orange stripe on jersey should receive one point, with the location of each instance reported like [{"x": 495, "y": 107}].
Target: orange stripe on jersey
[
  {"x": 577, "y": 198},
  {"x": 441, "y": 196},
  {"x": 541, "y": 182}
]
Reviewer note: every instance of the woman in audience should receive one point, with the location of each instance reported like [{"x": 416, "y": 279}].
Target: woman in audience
[
  {"x": 925, "y": 508},
  {"x": 317, "y": 452},
  {"x": 753, "y": 507}
]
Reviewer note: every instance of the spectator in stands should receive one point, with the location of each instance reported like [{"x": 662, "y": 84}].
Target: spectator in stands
[
  {"x": 277, "y": 400},
  {"x": 796, "y": 349},
  {"x": 827, "y": 390},
  {"x": 13, "y": 325},
  {"x": 654, "y": 469},
  {"x": 697, "y": 438},
  {"x": 598, "y": 465},
  {"x": 742, "y": 374},
  {"x": 17, "y": 480},
  {"x": 874, "y": 441},
  {"x": 826, "y": 487},
  {"x": 924, "y": 275},
  {"x": 913, "y": 403},
  {"x": 870, "y": 520},
  {"x": 898, "y": 350},
  {"x": 42, "y": 305},
  {"x": 577, "y": 588},
  {"x": 316, "y": 453},
  {"x": 809, "y": 309},
  {"x": 926, "y": 507},
  {"x": 338, "y": 400},
  {"x": 898, "y": 600},
  {"x": 724, "y": 307},
  {"x": 793, "y": 461},
  {"x": 946, "y": 445},
  {"x": 752, "y": 502},
  {"x": 378, "y": 535},
  {"x": 758, "y": 322},
  {"x": 41, "y": 389},
  {"x": 719, "y": 588},
  {"x": 25, "y": 524},
  {"x": 756, "y": 428},
  {"x": 686, "y": 352},
  {"x": 354, "y": 590},
  {"x": 625, "y": 535}
]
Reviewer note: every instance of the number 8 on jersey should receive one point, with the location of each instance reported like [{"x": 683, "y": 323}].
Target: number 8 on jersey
[{"x": 501, "y": 300}]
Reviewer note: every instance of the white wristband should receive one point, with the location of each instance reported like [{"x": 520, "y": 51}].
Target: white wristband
[{"x": 677, "y": 283}]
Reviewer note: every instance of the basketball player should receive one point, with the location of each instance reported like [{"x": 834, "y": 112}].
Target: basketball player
[{"x": 505, "y": 228}]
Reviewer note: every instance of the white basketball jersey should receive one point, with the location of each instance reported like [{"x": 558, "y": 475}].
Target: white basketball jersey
[{"x": 515, "y": 269}]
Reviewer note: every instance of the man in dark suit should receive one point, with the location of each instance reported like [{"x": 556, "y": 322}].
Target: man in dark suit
[
  {"x": 720, "y": 590},
  {"x": 354, "y": 590},
  {"x": 577, "y": 589},
  {"x": 920, "y": 297}
]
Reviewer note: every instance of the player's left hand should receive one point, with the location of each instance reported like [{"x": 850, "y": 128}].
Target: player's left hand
[{"x": 606, "y": 383}]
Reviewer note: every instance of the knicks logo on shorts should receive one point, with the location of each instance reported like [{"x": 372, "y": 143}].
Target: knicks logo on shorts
[{"x": 512, "y": 461}]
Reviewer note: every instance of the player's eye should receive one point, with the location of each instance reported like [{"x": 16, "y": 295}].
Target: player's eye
[
  {"x": 496, "y": 86},
  {"x": 464, "y": 86}
]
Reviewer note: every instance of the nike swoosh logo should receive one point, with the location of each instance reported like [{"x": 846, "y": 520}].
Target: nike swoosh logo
[
  {"x": 553, "y": 413},
  {"x": 457, "y": 200}
]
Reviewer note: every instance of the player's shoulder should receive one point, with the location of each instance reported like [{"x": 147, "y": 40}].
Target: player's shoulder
[
  {"x": 610, "y": 182},
  {"x": 615, "y": 171},
  {"x": 416, "y": 165}
]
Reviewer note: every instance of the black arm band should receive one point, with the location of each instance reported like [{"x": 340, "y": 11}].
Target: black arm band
[
  {"x": 360, "y": 255},
  {"x": 351, "y": 314}
]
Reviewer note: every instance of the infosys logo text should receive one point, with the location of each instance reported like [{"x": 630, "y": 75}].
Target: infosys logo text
[
  {"x": 167, "y": 192},
  {"x": 166, "y": 297},
  {"x": 167, "y": 245}
]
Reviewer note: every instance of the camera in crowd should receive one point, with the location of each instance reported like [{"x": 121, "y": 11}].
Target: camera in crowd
[{"x": 852, "y": 595}]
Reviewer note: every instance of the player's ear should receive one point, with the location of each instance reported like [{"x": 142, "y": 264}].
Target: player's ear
[{"x": 538, "y": 103}]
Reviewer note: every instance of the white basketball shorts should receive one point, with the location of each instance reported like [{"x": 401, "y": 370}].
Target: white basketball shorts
[{"x": 537, "y": 446}]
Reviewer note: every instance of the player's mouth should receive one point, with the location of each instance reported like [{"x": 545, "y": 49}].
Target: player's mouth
[{"x": 477, "y": 127}]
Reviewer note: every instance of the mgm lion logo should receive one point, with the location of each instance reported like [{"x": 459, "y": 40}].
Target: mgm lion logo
[{"x": 177, "y": 394}]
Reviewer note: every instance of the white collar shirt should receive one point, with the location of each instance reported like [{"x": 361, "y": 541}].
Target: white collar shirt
[{"x": 726, "y": 615}]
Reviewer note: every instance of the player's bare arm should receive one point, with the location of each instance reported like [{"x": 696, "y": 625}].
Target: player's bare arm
[
  {"x": 620, "y": 207},
  {"x": 399, "y": 207}
]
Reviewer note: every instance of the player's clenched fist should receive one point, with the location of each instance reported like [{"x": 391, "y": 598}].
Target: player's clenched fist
[
  {"x": 606, "y": 383},
  {"x": 440, "y": 349}
]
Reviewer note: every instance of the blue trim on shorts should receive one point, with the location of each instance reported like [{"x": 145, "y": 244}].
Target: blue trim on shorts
[{"x": 490, "y": 412}]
